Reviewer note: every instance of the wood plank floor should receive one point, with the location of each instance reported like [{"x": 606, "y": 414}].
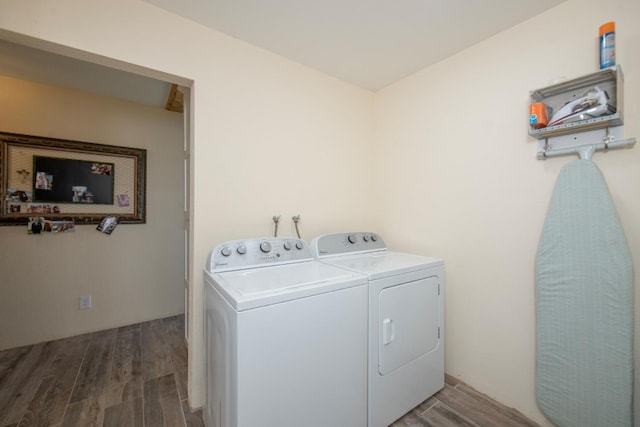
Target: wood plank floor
[
  {"x": 457, "y": 404},
  {"x": 130, "y": 376},
  {"x": 137, "y": 376}
]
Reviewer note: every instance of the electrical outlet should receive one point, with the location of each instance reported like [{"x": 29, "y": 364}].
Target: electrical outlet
[{"x": 85, "y": 302}]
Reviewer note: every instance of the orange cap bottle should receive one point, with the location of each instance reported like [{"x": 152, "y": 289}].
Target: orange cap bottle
[{"x": 607, "y": 45}]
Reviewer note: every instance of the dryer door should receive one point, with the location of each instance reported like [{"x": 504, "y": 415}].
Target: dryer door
[{"x": 408, "y": 323}]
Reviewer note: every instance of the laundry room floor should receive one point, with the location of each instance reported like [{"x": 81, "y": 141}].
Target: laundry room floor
[
  {"x": 457, "y": 405},
  {"x": 137, "y": 376},
  {"x": 130, "y": 376}
]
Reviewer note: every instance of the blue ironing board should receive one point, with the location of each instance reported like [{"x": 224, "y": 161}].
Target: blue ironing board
[{"x": 584, "y": 306}]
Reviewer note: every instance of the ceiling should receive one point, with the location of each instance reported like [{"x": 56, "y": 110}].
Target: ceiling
[
  {"x": 370, "y": 43},
  {"x": 26, "y": 63}
]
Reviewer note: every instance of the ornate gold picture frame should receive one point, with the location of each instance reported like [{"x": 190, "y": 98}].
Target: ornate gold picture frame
[{"x": 23, "y": 189}]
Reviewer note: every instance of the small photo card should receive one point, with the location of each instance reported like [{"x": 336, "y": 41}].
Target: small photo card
[
  {"x": 58, "y": 226},
  {"x": 34, "y": 225},
  {"x": 123, "y": 200},
  {"x": 107, "y": 225}
]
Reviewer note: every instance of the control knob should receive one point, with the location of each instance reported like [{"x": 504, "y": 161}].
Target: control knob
[
  {"x": 287, "y": 245},
  {"x": 365, "y": 238},
  {"x": 265, "y": 247},
  {"x": 374, "y": 238},
  {"x": 242, "y": 249},
  {"x": 225, "y": 251},
  {"x": 299, "y": 245},
  {"x": 351, "y": 238}
]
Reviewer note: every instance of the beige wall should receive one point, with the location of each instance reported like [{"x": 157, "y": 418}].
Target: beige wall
[
  {"x": 269, "y": 136},
  {"x": 457, "y": 165},
  {"x": 137, "y": 272},
  {"x": 440, "y": 163}
]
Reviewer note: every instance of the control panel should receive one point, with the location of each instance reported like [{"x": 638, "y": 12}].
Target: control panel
[
  {"x": 257, "y": 252},
  {"x": 346, "y": 243}
]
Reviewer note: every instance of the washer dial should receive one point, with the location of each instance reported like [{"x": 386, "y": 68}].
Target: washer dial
[{"x": 265, "y": 247}]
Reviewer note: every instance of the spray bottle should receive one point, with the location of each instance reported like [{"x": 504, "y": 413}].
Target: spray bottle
[{"x": 607, "y": 45}]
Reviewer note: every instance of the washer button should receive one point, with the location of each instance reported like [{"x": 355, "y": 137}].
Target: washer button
[
  {"x": 352, "y": 238},
  {"x": 226, "y": 251},
  {"x": 265, "y": 247}
]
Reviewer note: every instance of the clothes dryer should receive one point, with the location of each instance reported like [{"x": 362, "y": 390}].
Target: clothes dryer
[
  {"x": 406, "y": 320},
  {"x": 285, "y": 338}
]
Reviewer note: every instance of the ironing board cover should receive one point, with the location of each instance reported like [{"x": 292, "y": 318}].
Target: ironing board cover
[{"x": 584, "y": 306}]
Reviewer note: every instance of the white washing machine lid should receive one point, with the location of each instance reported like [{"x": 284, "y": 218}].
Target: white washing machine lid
[
  {"x": 257, "y": 287},
  {"x": 380, "y": 264}
]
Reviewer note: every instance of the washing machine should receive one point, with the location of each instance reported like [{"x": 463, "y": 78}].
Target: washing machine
[
  {"x": 406, "y": 320},
  {"x": 285, "y": 338}
]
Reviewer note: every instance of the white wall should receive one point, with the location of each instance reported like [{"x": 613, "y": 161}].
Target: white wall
[
  {"x": 460, "y": 180},
  {"x": 134, "y": 274},
  {"x": 269, "y": 136},
  {"x": 453, "y": 171}
]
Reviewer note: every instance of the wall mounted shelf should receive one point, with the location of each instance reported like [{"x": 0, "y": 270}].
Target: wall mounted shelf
[
  {"x": 555, "y": 96},
  {"x": 582, "y": 137}
]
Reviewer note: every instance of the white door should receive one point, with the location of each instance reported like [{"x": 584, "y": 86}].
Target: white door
[{"x": 408, "y": 323}]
